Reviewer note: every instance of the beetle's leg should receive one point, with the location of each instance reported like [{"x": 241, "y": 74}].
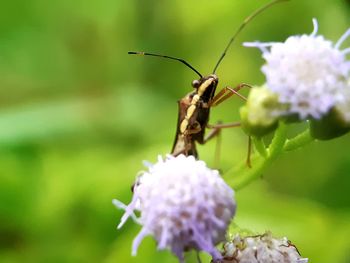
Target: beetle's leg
[
  {"x": 224, "y": 125},
  {"x": 215, "y": 132},
  {"x": 227, "y": 92},
  {"x": 248, "y": 161},
  {"x": 195, "y": 128},
  {"x": 215, "y": 129},
  {"x": 223, "y": 95}
]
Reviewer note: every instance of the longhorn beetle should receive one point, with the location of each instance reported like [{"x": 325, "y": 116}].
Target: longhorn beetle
[{"x": 194, "y": 108}]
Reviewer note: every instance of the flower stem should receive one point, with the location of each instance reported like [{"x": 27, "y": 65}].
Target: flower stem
[
  {"x": 278, "y": 141},
  {"x": 298, "y": 141},
  {"x": 242, "y": 177}
]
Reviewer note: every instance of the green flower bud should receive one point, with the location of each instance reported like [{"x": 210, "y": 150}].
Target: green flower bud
[
  {"x": 330, "y": 126},
  {"x": 258, "y": 115}
]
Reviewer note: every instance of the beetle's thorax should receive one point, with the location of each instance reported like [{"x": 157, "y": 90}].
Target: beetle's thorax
[
  {"x": 205, "y": 83},
  {"x": 205, "y": 89}
]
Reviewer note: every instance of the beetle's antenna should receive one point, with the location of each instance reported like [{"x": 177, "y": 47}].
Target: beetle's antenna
[
  {"x": 163, "y": 56},
  {"x": 245, "y": 22}
]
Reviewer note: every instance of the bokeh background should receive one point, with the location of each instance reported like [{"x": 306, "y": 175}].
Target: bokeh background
[{"x": 78, "y": 116}]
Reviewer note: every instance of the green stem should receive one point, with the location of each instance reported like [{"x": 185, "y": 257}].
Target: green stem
[
  {"x": 278, "y": 141},
  {"x": 247, "y": 175},
  {"x": 298, "y": 141},
  {"x": 260, "y": 146}
]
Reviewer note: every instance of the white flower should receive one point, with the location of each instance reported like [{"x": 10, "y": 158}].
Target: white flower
[
  {"x": 183, "y": 204},
  {"x": 308, "y": 72},
  {"x": 261, "y": 249}
]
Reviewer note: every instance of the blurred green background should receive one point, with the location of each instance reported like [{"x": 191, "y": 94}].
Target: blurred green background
[{"x": 78, "y": 116}]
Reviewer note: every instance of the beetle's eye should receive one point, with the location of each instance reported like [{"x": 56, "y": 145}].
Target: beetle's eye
[{"x": 195, "y": 83}]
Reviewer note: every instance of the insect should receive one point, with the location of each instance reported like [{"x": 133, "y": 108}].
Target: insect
[{"x": 194, "y": 108}]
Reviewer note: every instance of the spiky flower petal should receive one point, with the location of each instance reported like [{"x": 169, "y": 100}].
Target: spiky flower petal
[{"x": 183, "y": 204}]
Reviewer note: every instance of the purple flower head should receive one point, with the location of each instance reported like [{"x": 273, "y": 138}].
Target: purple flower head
[
  {"x": 183, "y": 204},
  {"x": 308, "y": 73}
]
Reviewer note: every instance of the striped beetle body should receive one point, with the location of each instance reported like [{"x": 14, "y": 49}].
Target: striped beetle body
[{"x": 193, "y": 116}]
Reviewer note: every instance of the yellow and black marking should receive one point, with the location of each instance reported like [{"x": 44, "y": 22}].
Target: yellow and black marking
[
  {"x": 194, "y": 115},
  {"x": 193, "y": 104}
]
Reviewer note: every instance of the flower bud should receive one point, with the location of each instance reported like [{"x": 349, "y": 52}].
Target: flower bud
[{"x": 258, "y": 114}]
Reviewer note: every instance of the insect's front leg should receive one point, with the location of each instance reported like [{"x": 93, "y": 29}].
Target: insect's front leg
[
  {"x": 215, "y": 132},
  {"x": 227, "y": 92},
  {"x": 216, "y": 128},
  {"x": 223, "y": 95}
]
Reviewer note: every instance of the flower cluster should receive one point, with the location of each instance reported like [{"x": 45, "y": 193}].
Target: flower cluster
[
  {"x": 309, "y": 75},
  {"x": 261, "y": 249},
  {"x": 183, "y": 204}
]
